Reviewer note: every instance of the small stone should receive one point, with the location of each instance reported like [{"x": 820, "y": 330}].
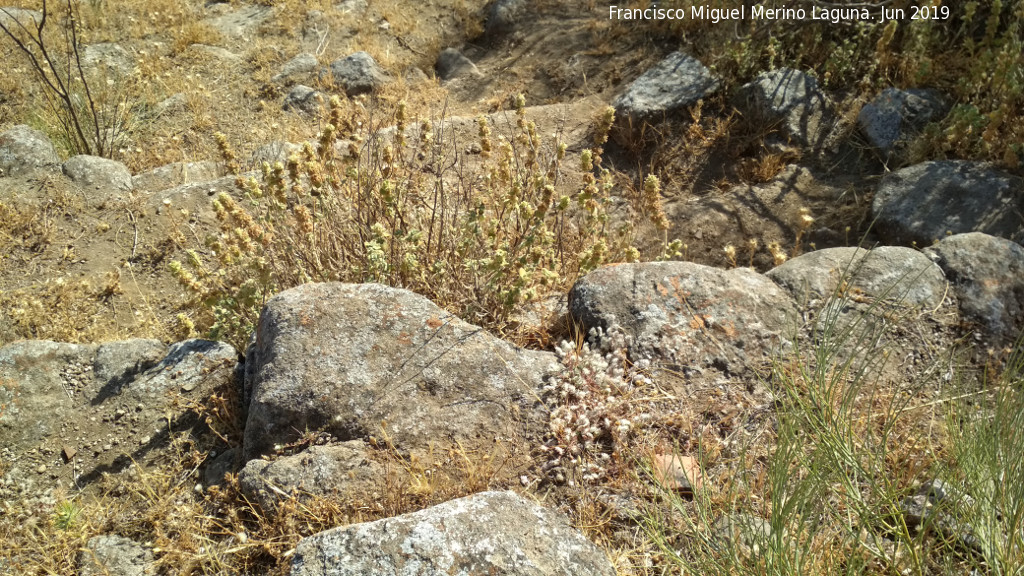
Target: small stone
[
  {"x": 677, "y": 473},
  {"x": 68, "y": 452}
]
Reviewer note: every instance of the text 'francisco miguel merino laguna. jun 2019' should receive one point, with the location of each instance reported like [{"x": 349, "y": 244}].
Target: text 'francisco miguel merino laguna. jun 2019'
[{"x": 762, "y": 12}]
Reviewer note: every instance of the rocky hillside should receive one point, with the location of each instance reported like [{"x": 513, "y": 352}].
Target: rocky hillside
[{"x": 505, "y": 287}]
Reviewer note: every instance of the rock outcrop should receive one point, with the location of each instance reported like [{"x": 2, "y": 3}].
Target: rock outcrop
[
  {"x": 895, "y": 116},
  {"x": 69, "y": 412},
  {"x": 673, "y": 84},
  {"x": 792, "y": 100},
  {"x": 98, "y": 174},
  {"x": 895, "y": 273},
  {"x": 347, "y": 358},
  {"x": 298, "y": 70},
  {"x": 112, "y": 555},
  {"x": 340, "y": 470},
  {"x": 356, "y": 74}
]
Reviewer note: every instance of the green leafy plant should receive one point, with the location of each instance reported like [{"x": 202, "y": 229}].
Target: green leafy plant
[{"x": 65, "y": 515}]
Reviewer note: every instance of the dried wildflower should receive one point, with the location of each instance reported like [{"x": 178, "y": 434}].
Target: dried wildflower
[
  {"x": 589, "y": 409},
  {"x": 652, "y": 203},
  {"x": 604, "y": 125},
  {"x": 730, "y": 253}
]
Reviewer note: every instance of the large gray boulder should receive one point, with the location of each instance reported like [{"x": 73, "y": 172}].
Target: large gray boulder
[
  {"x": 681, "y": 313},
  {"x": 24, "y": 150},
  {"x": 894, "y": 116},
  {"x": 95, "y": 173},
  {"x": 487, "y": 533},
  {"x": 987, "y": 275},
  {"x": 895, "y": 273},
  {"x": 926, "y": 202},
  {"x": 335, "y": 470},
  {"x": 112, "y": 555},
  {"x": 791, "y": 100},
  {"x": 345, "y": 358},
  {"x": 357, "y": 74},
  {"x": 674, "y": 83}
]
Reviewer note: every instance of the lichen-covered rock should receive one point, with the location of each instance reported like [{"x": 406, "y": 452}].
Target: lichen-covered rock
[
  {"x": 987, "y": 276},
  {"x": 304, "y": 99},
  {"x": 111, "y": 555},
  {"x": 929, "y": 201},
  {"x": 896, "y": 273},
  {"x": 487, "y": 533},
  {"x": 341, "y": 469},
  {"x": 347, "y": 357},
  {"x": 681, "y": 313},
  {"x": 297, "y": 70},
  {"x": 792, "y": 100},
  {"x": 357, "y": 74},
  {"x": 24, "y": 150},
  {"x": 674, "y": 83},
  {"x": 185, "y": 367},
  {"x": 109, "y": 59},
  {"x": 95, "y": 173},
  {"x": 896, "y": 115}
]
